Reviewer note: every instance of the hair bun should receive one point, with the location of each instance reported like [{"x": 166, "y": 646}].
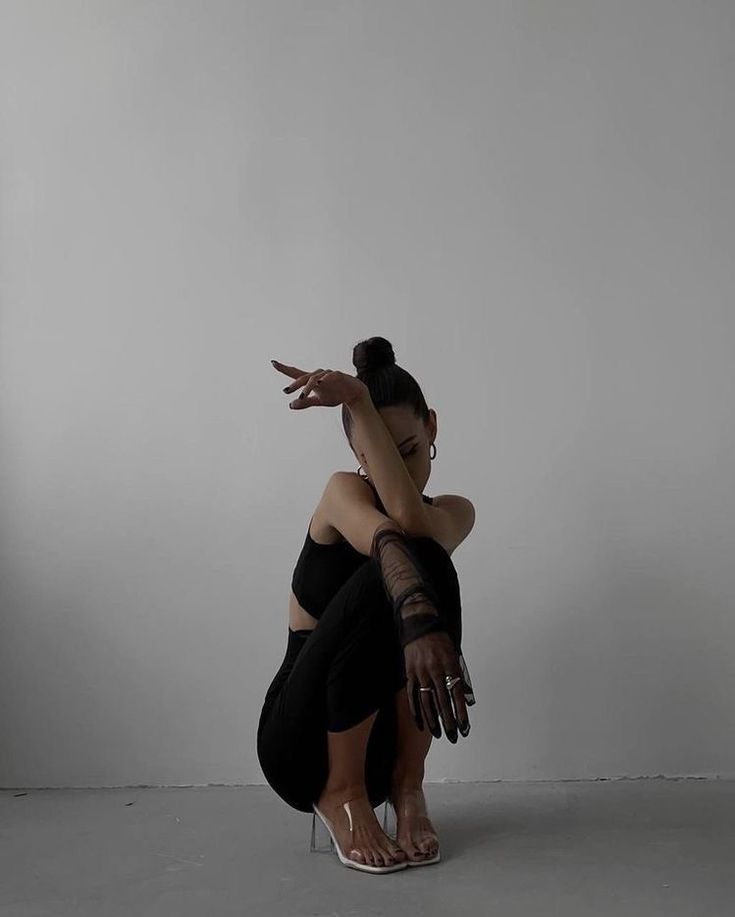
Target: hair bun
[{"x": 372, "y": 354}]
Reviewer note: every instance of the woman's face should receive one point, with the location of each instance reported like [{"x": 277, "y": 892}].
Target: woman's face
[{"x": 412, "y": 438}]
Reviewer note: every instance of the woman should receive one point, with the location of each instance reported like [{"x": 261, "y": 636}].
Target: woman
[{"x": 374, "y": 636}]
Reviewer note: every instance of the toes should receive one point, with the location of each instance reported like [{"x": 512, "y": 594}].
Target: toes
[
  {"x": 378, "y": 857},
  {"x": 420, "y": 851},
  {"x": 412, "y": 852}
]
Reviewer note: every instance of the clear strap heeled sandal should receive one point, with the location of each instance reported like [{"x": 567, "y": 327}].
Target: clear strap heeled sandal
[
  {"x": 424, "y": 861},
  {"x": 323, "y": 841},
  {"x": 320, "y": 843}
]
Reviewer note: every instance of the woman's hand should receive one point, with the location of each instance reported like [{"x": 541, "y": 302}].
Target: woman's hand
[
  {"x": 330, "y": 387},
  {"x": 428, "y": 660}
]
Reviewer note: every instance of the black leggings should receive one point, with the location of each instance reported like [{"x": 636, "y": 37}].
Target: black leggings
[{"x": 334, "y": 676}]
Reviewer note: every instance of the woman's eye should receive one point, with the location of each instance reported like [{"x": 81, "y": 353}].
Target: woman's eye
[{"x": 406, "y": 454}]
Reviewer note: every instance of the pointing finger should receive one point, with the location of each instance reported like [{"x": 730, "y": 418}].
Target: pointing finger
[{"x": 292, "y": 371}]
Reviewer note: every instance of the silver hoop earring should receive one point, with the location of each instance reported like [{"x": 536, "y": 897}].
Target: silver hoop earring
[
  {"x": 432, "y": 457},
  {"x": 363, "y": 476}
]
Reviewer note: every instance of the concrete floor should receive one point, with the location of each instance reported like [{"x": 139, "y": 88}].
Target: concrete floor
[{"x": 634, "y": 847}]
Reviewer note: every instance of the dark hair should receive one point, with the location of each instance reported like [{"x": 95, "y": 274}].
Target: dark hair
[{"x": 388, "y": 383}]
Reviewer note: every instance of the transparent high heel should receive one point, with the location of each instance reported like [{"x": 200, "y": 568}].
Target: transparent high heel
[
  {"x": 323, "y": 840},
  {"x": 390, "y": 824}
]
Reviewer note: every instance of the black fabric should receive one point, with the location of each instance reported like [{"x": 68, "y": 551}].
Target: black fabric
[
  {"x": 407, "y": 585},
  {"x": 322, "y": 568}
]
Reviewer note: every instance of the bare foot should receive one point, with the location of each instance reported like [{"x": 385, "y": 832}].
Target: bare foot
[
  {"x": 367, "y": 843},
  {"x": 415, "y": 833}
]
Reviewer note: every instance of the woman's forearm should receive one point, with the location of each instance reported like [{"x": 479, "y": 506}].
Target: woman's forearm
[{"x": 388, "y": 471}]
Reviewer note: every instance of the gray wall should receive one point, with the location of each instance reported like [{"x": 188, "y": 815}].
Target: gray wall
[{"x": 532, "y": 200}]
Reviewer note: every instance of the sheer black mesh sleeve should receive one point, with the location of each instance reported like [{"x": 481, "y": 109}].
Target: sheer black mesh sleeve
[
  {"x": 409, "y": 589},
  {"x": 406, "y": 584}
]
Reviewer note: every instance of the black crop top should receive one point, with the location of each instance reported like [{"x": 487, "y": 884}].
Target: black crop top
[{"x": 321, "y": 569}]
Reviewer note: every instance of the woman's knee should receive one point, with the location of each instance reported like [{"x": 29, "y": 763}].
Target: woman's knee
[
  {"x": 434, "y": 564},
  {"x": 427, "y": 550}
]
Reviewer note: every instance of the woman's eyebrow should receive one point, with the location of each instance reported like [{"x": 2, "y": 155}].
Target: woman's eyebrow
[{"x": 405, "y": 441}]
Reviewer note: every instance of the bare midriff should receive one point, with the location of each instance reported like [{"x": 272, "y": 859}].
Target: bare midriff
[{"x": 298, "y": 618}]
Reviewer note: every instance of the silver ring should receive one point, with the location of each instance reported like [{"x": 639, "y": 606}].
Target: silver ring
[
  {"x": 451, "y": 682},
  {"x": 426, "y": 689}
]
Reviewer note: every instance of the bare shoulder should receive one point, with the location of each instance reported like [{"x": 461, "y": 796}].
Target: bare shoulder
[
  {"x": 352, "y": 480},
  {"x": 322, "y": 531},
  {"x": 449, "y": 519},
  {"x": 455, "y": 503},
  {"x": 350, "y": 474},
  {"x": 354, "y": 483}
]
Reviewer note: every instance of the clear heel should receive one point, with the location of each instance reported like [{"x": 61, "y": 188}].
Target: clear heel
[
  {"x": 321, "y": 839},
  {"x": 389, "y": 820}
]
